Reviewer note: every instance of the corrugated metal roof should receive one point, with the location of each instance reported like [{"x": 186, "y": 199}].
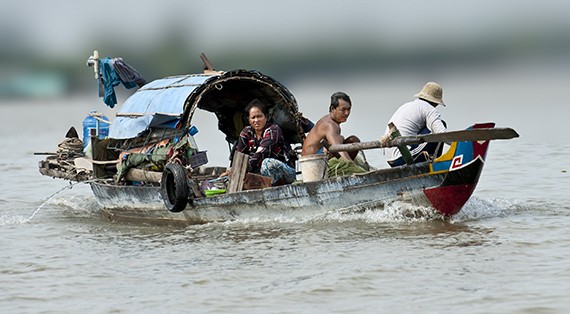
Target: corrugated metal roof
[{"x": 165, "y": 96}]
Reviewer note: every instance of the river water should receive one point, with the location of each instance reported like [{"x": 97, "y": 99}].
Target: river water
[{"x": 508, "y": 251}]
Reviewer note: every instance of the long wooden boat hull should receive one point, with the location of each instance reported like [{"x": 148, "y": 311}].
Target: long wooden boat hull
[
  {"x": 358, "y": 192},
  {"x": 444, "y": 185}
]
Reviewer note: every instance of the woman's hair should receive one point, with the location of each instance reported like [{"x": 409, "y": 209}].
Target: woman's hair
[
  {"x": 258, "y": 104},
  {"x": 335, "y": 97}
]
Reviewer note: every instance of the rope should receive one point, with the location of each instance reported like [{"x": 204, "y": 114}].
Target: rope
[{"x": 70, "y": 148}]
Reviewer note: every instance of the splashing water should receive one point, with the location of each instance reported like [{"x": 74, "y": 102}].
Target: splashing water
[
  {"x": 14, "y": 220},
  {"x": 477, "y": 208},
  {"x": 70, "y": 186},
  {"x": 372, "y": 212},
  {"x": 393, "y": 211}
]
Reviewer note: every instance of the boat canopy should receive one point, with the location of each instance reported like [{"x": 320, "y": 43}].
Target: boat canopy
[
  {"x": 170, "y": 103},
  {"x": 162, "y": 97}
]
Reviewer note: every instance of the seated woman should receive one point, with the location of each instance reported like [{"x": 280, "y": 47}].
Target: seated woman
[{"x": 265, "y": 145}]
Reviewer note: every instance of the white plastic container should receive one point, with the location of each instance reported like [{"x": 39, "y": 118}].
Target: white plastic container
[{"x": 313, "y": 167}]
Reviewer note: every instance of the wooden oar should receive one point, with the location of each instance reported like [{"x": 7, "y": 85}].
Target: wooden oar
[{"x": 452, "y": 136}]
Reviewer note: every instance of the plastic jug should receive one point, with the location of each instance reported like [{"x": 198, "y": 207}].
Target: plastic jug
[{"x": 95, "y": 120}]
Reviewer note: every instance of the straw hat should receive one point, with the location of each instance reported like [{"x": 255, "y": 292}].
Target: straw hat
[{"x": 432, "y": 92}]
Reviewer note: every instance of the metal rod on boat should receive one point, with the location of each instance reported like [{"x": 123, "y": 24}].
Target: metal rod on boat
[
  {"x": 207, "y": 64},
  {"x": 94, "y": 139}
]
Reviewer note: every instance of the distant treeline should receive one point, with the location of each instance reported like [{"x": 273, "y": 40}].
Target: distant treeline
[{"x": 171, "y": 57}]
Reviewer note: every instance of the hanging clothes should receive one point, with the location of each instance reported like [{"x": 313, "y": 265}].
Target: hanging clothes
[
  {"x": 127, "y": 73},
  {"x": 111, "y": 77}
]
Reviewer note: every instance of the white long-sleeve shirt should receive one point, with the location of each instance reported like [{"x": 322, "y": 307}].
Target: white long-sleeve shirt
[{"x": 410, "y": 119}]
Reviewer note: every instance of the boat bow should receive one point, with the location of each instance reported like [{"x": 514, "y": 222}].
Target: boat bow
[{"x": 463, "y": 163}]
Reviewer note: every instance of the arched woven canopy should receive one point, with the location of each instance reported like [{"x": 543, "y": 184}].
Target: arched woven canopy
[{"x": 171, "y": 102}]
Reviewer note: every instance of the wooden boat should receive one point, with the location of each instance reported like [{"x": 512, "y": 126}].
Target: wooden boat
[{"x": 171, "y": 185}]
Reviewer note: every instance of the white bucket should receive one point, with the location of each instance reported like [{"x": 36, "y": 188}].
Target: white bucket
[{"x": 313, "y": 167}]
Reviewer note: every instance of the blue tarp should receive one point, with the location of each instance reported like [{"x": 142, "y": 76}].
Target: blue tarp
[{"x": 163, "y": 96}]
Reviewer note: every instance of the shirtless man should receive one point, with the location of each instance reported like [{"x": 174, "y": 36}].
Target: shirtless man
[{"x": 328, "y": 127}]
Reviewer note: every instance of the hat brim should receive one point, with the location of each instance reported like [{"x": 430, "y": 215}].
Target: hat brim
[{"x": 438, "y": 101}]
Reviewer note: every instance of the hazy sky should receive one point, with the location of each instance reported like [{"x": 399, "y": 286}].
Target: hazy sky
[{"x": 60, "y": 27}]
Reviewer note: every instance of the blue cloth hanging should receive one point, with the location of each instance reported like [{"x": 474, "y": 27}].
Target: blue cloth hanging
[{"x": 111, "y": 79}]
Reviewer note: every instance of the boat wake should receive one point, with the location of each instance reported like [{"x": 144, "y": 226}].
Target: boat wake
[
  {"x": 78, "y": 204},
  {"x": 376, "y": 212},
  {"x": 8, "y": 219},
  {"x": 12, "y": 219},
  {"x": 75, "y": 205},
  {"x": 477, "y": 208},
  {"x": 396, "y": 211}
]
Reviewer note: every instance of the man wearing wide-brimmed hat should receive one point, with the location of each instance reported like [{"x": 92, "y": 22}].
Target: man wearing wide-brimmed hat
[{"x": 419, "y": 116}]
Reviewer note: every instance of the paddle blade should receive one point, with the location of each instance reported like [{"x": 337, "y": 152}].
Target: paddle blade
[{"x": 459, "y": 136}]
